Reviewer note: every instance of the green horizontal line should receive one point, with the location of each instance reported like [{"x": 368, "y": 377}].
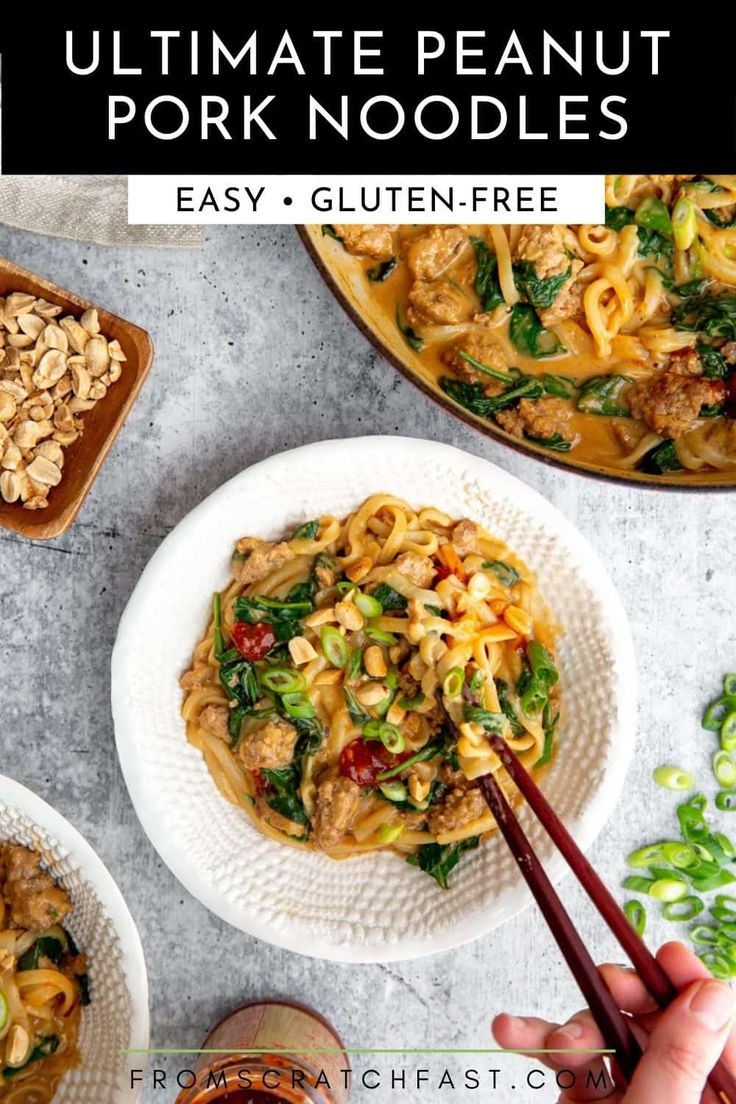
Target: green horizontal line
[{"x": 367, "y": 1050}]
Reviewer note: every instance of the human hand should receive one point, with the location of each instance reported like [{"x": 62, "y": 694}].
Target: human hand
[{"x": 681, "y": 1045}]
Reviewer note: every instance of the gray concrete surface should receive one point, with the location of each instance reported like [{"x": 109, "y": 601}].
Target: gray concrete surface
[{"x": 254, "y": 356}]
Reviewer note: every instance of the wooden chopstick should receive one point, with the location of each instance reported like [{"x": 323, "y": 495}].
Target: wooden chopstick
[
  {"x": 721, "y": 1080},
  {"x": 614, "y": 1026}
]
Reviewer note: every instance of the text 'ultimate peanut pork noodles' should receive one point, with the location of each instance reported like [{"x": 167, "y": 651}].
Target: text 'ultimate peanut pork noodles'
[
  {"x": 350, "y": 674},
  {"x": 614, "y": 343},
  {"x": 43, "y": 980}
]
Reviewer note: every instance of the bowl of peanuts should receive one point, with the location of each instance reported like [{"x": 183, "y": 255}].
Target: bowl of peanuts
[{"x": 69, "y": 374}]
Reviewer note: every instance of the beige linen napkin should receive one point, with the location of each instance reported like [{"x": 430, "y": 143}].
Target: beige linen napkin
[{"x": 85, "y": 208}]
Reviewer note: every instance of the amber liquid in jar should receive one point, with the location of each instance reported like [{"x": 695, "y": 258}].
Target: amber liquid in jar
[{"x": 272, "y": 1052}]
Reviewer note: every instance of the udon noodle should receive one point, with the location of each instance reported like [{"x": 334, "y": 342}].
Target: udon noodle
[
  {"x": 43, "y": 981},
  {"x": 344, "y": 689},
  {"x": 615, "y": 343}
]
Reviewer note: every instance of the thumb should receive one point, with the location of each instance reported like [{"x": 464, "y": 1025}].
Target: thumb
[{"x": 684, "y": 1046}]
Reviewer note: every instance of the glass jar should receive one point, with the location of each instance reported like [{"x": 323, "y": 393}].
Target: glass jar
[{"x": 271, "y": 1052}]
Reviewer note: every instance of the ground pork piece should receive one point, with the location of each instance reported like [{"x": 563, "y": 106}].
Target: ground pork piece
[
  {"x": 430, "y": 255},
  {"x": 277, "y": 820},
  {"x": 484, "y": 348},
  {"x": 728, "y": 352},
  {"x": 465, "y": 537},
  {"x": 437, "y": 301},
  {"x": 408, "y": 686},
  {"x": 460, "y": 807},
  {"x": 261, "y": 557},
  {"x": 336, "y": 805},
  {"x": 200, "y": 675},
  {"x": 326, "y": 576},
  {"x": 569, "y": 301},
  {"x": 270, "y": 746},
  {"x": 671, "y": 401},
  {"x": 725, "y": 215},
  {"x": 454, "y": 778},
  {"x": 35, "y": 901},
  {"x": 416, "y": 568},
  {"x": 538, "y": 418},
  {"x": 544, "y": 247},
  {"x": 368, "y": 241},
  {"x": 214, "y": 718}
]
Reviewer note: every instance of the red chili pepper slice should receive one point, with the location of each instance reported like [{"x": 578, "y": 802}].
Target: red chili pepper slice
[
  {"x": 253, "y": 641},
  {"x": 364, "y": 760},
  {"x": 260, "y": 782}
]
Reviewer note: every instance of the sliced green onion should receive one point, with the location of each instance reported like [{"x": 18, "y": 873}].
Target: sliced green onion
[
  {"x": 715, "y": 881},
  {"x": 477, "y": 680},
  {"x": 346, "y": 587},
  {"x": 217, "y": 621},
  {"x": 726, "y": 801},
  {"x": 394, "y": 791},
  {"x": 389, "y": 735},
  {"x": 3, "y": 1010},
  {"x": 387, "y": 833},
  {"x": 667, "y": 872},
  {"x": 704, "y": 935},
  {"x": 726, "y": 845},
  {"x": 680, "y": 855},
  {"x": 693, "y": 825},
  {"x": 636, "y": 884},
  {"x": 673, "y": 778},
  {"x": 687, "y": 908},
  {"x": 718, "y": 963},
  {"x": 645, "y": 856},
  {"x": 728, "y": 732},
  {"x": 380, "y": 636},
  {"x": 298, "y": 706},
  {"x": 729, "y": 685},
  {"x": 334, "y": 646},
  {"x": 636, "y": 914},
  {"x": 722, "y": 915},
  {"x": 368, "y": 605},
  {"x": 717, "y": 712},
  {"x": 668, "y": 889},
  {"x": 724, "y": 768},
  {"x": 684, "y": 223},
  {"x": 725, "y": 901},
  {"x": 283, "y": 680},
  {"x": 453, "y": 682}
]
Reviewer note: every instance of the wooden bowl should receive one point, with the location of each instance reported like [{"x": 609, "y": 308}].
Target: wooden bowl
[
  {"x": 344, "y": 276},
  {"x": 82, "y": 459}
]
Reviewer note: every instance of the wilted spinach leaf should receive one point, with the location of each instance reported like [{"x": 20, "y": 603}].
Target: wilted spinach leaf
[
  {"x": 439, "y": 860},
  {"x": 529, "y": 336}
]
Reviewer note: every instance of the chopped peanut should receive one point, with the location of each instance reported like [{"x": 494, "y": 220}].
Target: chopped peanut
[
  {"x": 371, "y": 693},
  {"x": 321, "y": 617},
  {"x": 301, "y": 651},
  {"x": 329, "y": 677},
  {"x": 374, "y": 661},
  {"x": 417, "y": 788},
  {"x": 395, "y": 714},
  {"x": 359, "y": 569},
  {"x": 348, "y": 615}
]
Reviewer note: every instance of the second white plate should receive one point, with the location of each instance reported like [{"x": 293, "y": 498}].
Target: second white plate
[{"x": 373, "y": 908}]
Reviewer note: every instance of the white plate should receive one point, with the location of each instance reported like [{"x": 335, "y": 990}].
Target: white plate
[
  {"x": 117, "y": 1017},
  {"x": 374, "y": 908}
]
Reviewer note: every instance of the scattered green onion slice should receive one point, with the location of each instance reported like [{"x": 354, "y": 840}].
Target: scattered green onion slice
[
  {"x": 334, "y": 646},
  {"x": 645, "y": 856},
  {"x": 407, "y": 704},
  {"x": 637, "y": 884},
  {"x": 368, "y": 605},
  {"x": 355, "y": 665},
  {"x": 636, "y": 914},
  {"x": 726, "y": 801},
  {"x": 380, "y": 636},
  {"x": 298, "y": 705},
  {"x": 728, "y": 732},
  {"x": 668, "y": 889},
  {"x": 283, "y": 680},
  {"x": 394, "y": 791},
  {"x": 3, "y": 1011},
  {"x": 717, "y": 712},
  {"x": 718, "y": 963},
  {"x": 722, "y": 915},
  {"x": 389, "y": 735},
  {"x": 452, "y": 685},
  {"x": 704, "y": 935},
  {"x": 729, "y": 685},
  {"x": 680, "y": 855},
  {"x": 687, "y": 908},
  {"x": 713, "y": 881},
  {"x": 673, "y": 778},
  {"x": 387, "y": 833},
  {"x": 346, "y": 587},
  {"x": 726, "y": 845},
  {"x": 724, "y": 768},
  {"x": 725, "y": 901}
]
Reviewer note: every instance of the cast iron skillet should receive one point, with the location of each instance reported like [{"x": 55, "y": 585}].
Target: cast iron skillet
[{"x": 345, "y": 279}]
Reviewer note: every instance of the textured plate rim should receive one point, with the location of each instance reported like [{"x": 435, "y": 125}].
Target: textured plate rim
[
  {"x": 585, "y": 828},
  {"x": 94, "y": 871}
]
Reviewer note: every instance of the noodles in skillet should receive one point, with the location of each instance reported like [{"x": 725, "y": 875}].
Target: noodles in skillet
[
  {"x": 349, "y": 676},
  {"x": 614, "y": 343},
  {"x": 43, "y": 981}
]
